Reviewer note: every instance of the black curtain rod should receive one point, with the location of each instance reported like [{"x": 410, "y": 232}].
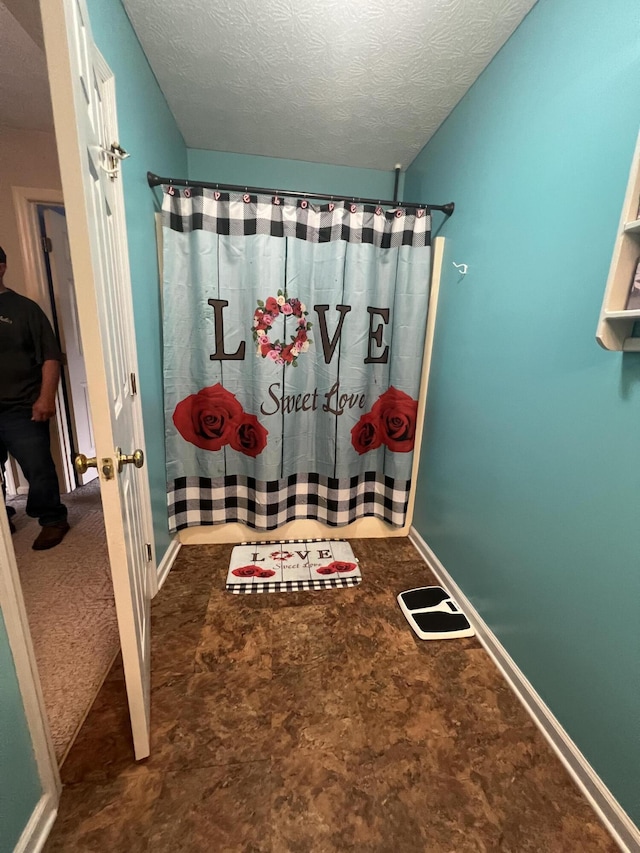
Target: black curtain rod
[{"x": 155, "y": 181}]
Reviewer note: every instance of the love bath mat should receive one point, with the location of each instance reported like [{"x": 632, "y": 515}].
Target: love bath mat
[
  {"x": 433, "y": 614},
  {"x": 292, "y": 566}
]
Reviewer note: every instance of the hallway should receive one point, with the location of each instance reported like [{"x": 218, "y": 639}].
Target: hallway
[
  {"x": 315, "y": 723},
  {"x": 68, "y": 596}
]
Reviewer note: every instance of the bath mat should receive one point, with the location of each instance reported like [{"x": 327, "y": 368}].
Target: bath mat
[
  {"x": 433, "y": 614},
  {"x": 292, "y": 566}
]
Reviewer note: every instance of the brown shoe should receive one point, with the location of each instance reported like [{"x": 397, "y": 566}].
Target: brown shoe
[{"x": 50, "y": 536}]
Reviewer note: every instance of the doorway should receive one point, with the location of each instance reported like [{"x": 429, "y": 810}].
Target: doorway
[
  {"x": 74, "y": 427},
  {"x": 82, "y": 91},
  {"x": 67, "y": 591}
]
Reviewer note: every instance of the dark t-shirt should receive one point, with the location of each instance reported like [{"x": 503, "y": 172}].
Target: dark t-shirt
[{"x": 26, "y": 341}]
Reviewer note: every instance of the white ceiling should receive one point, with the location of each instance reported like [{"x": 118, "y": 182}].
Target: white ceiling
[
  {"x": 351, "y": 82},
  {"x": 24, "y": 85}
]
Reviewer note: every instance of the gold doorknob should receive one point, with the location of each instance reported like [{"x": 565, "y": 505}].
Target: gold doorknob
[
  {"x": 136, "y": 458},
  {"x": 82, "y": 464}
]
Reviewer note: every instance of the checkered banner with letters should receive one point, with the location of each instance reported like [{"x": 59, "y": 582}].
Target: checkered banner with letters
[
  {"x": 194, "y": 209},
  {"x": 293, "y": 340}
]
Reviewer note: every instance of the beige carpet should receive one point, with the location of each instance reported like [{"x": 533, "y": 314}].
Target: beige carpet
[{"x": 69, "y": 600}]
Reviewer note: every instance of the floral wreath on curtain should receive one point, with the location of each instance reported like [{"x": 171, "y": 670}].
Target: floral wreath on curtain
[{"x": 263, "y": 318}]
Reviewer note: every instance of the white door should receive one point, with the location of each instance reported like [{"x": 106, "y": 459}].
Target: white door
[
  {"x": 83, "y": 96},
  {"x": 65, "y": 297}
]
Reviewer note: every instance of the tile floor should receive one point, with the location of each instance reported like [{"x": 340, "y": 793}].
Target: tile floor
[{"x": 315, "y": 723}]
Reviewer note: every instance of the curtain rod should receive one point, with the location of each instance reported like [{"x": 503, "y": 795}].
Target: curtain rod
[{"x": 155, "y": 181}]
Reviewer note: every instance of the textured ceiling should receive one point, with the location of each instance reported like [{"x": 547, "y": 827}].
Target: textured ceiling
[
  {"x": 24, "y": 84},
  {"x": 352, "y": 82}
]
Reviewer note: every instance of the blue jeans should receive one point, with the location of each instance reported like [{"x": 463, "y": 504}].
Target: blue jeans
[{"x": 28, "y": 442}]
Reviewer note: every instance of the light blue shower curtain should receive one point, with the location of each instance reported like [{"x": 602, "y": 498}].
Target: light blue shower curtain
[{"x": 293, "y": 340}]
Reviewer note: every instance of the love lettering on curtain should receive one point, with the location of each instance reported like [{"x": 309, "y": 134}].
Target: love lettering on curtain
[{"x": 293, "y": 340}]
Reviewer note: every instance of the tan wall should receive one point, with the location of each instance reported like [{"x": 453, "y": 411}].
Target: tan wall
[{"x": 27, "y": 159}]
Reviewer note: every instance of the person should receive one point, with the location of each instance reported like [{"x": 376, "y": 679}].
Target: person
[{"x": 29, "y": 373}]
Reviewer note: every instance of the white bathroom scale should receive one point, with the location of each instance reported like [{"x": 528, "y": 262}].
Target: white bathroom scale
[
  {"x": 292, "y": 566},
  {"x": 433, "y": 614}
]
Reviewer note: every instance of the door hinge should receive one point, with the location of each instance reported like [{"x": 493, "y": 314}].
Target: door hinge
[
  {"x": 115, "y": 153},
  {"x": 47, "y": 246},
  {"x": 134, "y": 384},
  {"x": 149, "y": 553}
]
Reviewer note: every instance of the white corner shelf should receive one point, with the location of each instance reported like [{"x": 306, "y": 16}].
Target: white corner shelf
[
  {"x": 615, "y": 326},
  {"x": 630, "y": 314}
]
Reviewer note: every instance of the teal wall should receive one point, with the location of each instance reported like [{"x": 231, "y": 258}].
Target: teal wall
[
  {"x": 20, "y": 787},
  {"x": 149, "y": 133},
  {"x": 294, "y": 175},
  {"x": 529, "y": 488}
]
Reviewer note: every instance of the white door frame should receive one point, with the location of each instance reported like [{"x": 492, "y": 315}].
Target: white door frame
[
  {"x": 18, "y": 632},
  {"x": 25, "y": 200}
]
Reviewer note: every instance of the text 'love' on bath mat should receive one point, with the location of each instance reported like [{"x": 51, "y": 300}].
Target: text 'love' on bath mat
[{"x": 292, "y": 566}]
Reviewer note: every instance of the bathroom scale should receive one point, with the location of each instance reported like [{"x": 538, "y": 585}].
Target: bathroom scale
[{"x": 433, "y": 614}]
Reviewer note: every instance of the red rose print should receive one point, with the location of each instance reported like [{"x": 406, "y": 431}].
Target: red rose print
[
  {"x": 365, "y": 435},
  {"x": 208, "y": 418},
  {"x": 397, "y": 414},
  {"x": 281, "y": 555},
  {"x": 247, "y": 572},
  {"x": 271, "y": 305},
  {"x": 327, "y": 570},
  {"x": 249, "y": 436},
  {"x": 341, "y": 566},
  {"x": 287, "y": 354},
  {"x": 391, "y": 421},
  {"x": 213, "y": 418},
  {"x": 265, "y": 573}
]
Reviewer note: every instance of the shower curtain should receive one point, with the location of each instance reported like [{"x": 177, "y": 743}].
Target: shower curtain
[{"x": 293, "y": 340}]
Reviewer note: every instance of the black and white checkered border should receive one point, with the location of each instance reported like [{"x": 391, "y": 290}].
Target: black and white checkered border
[
  {"x": 268, "y": 504},
  {"x": 293, "y": 586},
  {"x": 197, "y": 209}
]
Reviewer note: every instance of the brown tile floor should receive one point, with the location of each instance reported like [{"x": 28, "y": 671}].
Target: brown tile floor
[{"x": 315, "y": 723}]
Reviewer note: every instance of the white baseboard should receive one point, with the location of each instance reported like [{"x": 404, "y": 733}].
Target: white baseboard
[
  {"x": 39, "y": 826},
  {"x": 164, "y": 566},
  {"x": 625, "y": 833}
]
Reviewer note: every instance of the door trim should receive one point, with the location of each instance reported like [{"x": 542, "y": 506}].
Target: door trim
[
  {"x": 37, "y": 830},
  {"x": 25, "y": 200},
  {"x": 18, "y": 632},
  {"x": 166, "y": 564},
  {"x": 35, "y": 274}
]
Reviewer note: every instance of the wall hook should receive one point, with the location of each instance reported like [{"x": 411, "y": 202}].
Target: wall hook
[{"x": 462, "y": 268}]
